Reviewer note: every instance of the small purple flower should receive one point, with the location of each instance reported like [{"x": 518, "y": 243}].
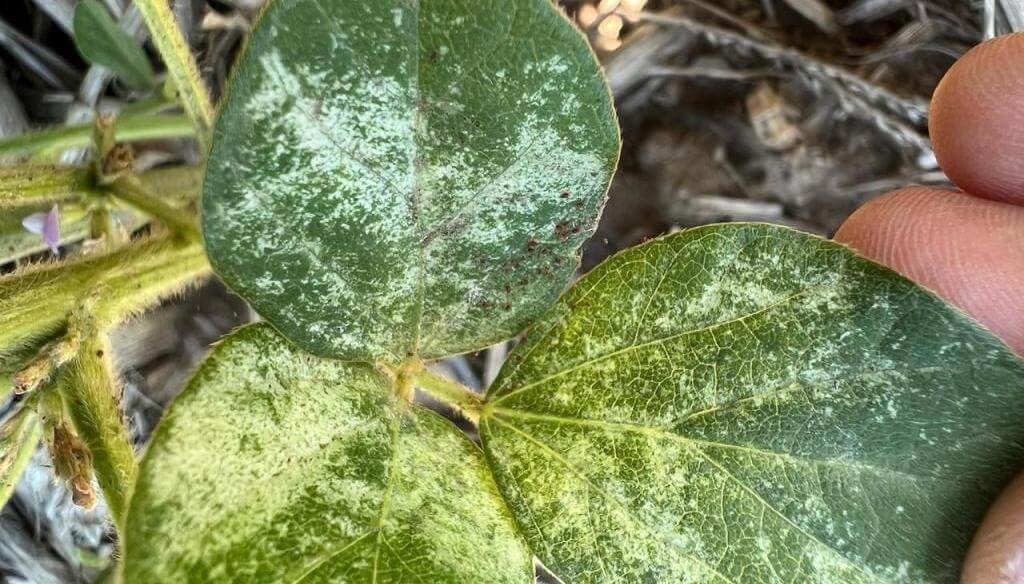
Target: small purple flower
[{"x": 46, "y": 224}]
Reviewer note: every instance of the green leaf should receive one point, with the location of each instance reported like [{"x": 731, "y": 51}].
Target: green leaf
[
  {"x": 746, "y": 403},
  {"x": 276, "y": 466},
  {"x": 101, "y": 42},
  {"x": 393, "y": 177}
]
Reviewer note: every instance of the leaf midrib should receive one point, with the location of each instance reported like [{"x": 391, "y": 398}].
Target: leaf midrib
[
  {"x": 610, "y": 498},
  {"x": 663, "y": 434},
  {"x": 415, "y": 197},
  {"x": 385, "y": 505},
  {"x": 656, "y": 341},
  {"x": 416, "y": 202}
]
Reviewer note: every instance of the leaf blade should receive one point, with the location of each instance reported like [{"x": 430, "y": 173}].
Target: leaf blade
[
  {"x": 765, "y": 405},
  {"x": 101, "y": 42},
  {"x": 265, "y": 471},
  {"x": 454, "y": 175}
]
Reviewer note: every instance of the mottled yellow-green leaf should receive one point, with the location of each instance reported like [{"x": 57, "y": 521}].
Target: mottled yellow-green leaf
[
  {"x": 277, "y": 466},
  {"x": 745, "y": 403},
  {"x": 407, "y": 177}
]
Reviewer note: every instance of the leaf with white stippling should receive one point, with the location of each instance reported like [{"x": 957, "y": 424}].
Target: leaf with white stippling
[
  {"x": 277, "y": 466},
  {"x": 746, "y": 403},
  {"x": 400, "y": 177}
]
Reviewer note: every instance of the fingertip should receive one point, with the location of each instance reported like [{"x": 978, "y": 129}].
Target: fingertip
[
  {"x": 968, "y": 250},
  {"x": 977, "y": 122},
  {"x": 997, "y": 552}
]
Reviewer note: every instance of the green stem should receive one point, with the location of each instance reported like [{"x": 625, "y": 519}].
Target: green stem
[
  {"x": 157, "y": 104},
  {"x": 181, "y": 65},
  {"x": 88, "y": 297},
  {"x": 130, "y": 189},
  {"x": 37, "y": 185},
  {"x": 126, "y": 129},
  {"x": 93, "y": 404},
  {"x": 168, "y": 269},
  {"x": 35, "y": 301},
  {"x": 460, "y": 397},
  {"x": 178, "y": 183}
]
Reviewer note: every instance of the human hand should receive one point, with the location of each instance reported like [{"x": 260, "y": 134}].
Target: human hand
[{"x": 968, "y": 245}]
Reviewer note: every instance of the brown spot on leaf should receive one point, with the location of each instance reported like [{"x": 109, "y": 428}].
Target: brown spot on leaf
[{"x": 562, "y": 231}]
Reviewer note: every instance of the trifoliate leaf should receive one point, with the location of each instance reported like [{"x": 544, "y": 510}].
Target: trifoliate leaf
[
  {"x": 101, "y": 42},
  {"x": 276, "y": 466},
  {"x": 398, "y": 177},
  {"x": 746, "y": 403}
]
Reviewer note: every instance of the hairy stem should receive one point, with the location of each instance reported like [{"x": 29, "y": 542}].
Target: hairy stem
[
  {"x": 131, "y": 190},
  {"x": 126, "y": 129},
  {"x": 460, "y": 397},
  {"x": 35, "y": 301},
  {"x": 38, "y": 185},
  {"x": 92, "y": 394},
  {"x": 181, "y": 65}
]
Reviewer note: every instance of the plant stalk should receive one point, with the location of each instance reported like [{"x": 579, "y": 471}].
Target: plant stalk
[
  {"x": 177, "y": 183},
  {"x": 93, "y": 399},
  {"x": 19, "y": 436},
  {"x": 181, "y": 65},
  {"x": 126, "y": 129},
  {"x": 465, "y": 400},
  {"x": 40, "y": 185},
  {"x": 131, "y": 190},
  {"x": 35, "y": 302}
]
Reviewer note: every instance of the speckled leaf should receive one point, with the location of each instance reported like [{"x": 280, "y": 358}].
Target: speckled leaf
[
  {"x": 746, "y": 403},
  {"x": 276, "y": 466},
  {"x": 403, "y": 176}
]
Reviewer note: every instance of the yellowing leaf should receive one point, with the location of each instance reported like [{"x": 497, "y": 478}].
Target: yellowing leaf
[
  {"x": 276, "y": 466},
  {"x": 745, "y": 403}
]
